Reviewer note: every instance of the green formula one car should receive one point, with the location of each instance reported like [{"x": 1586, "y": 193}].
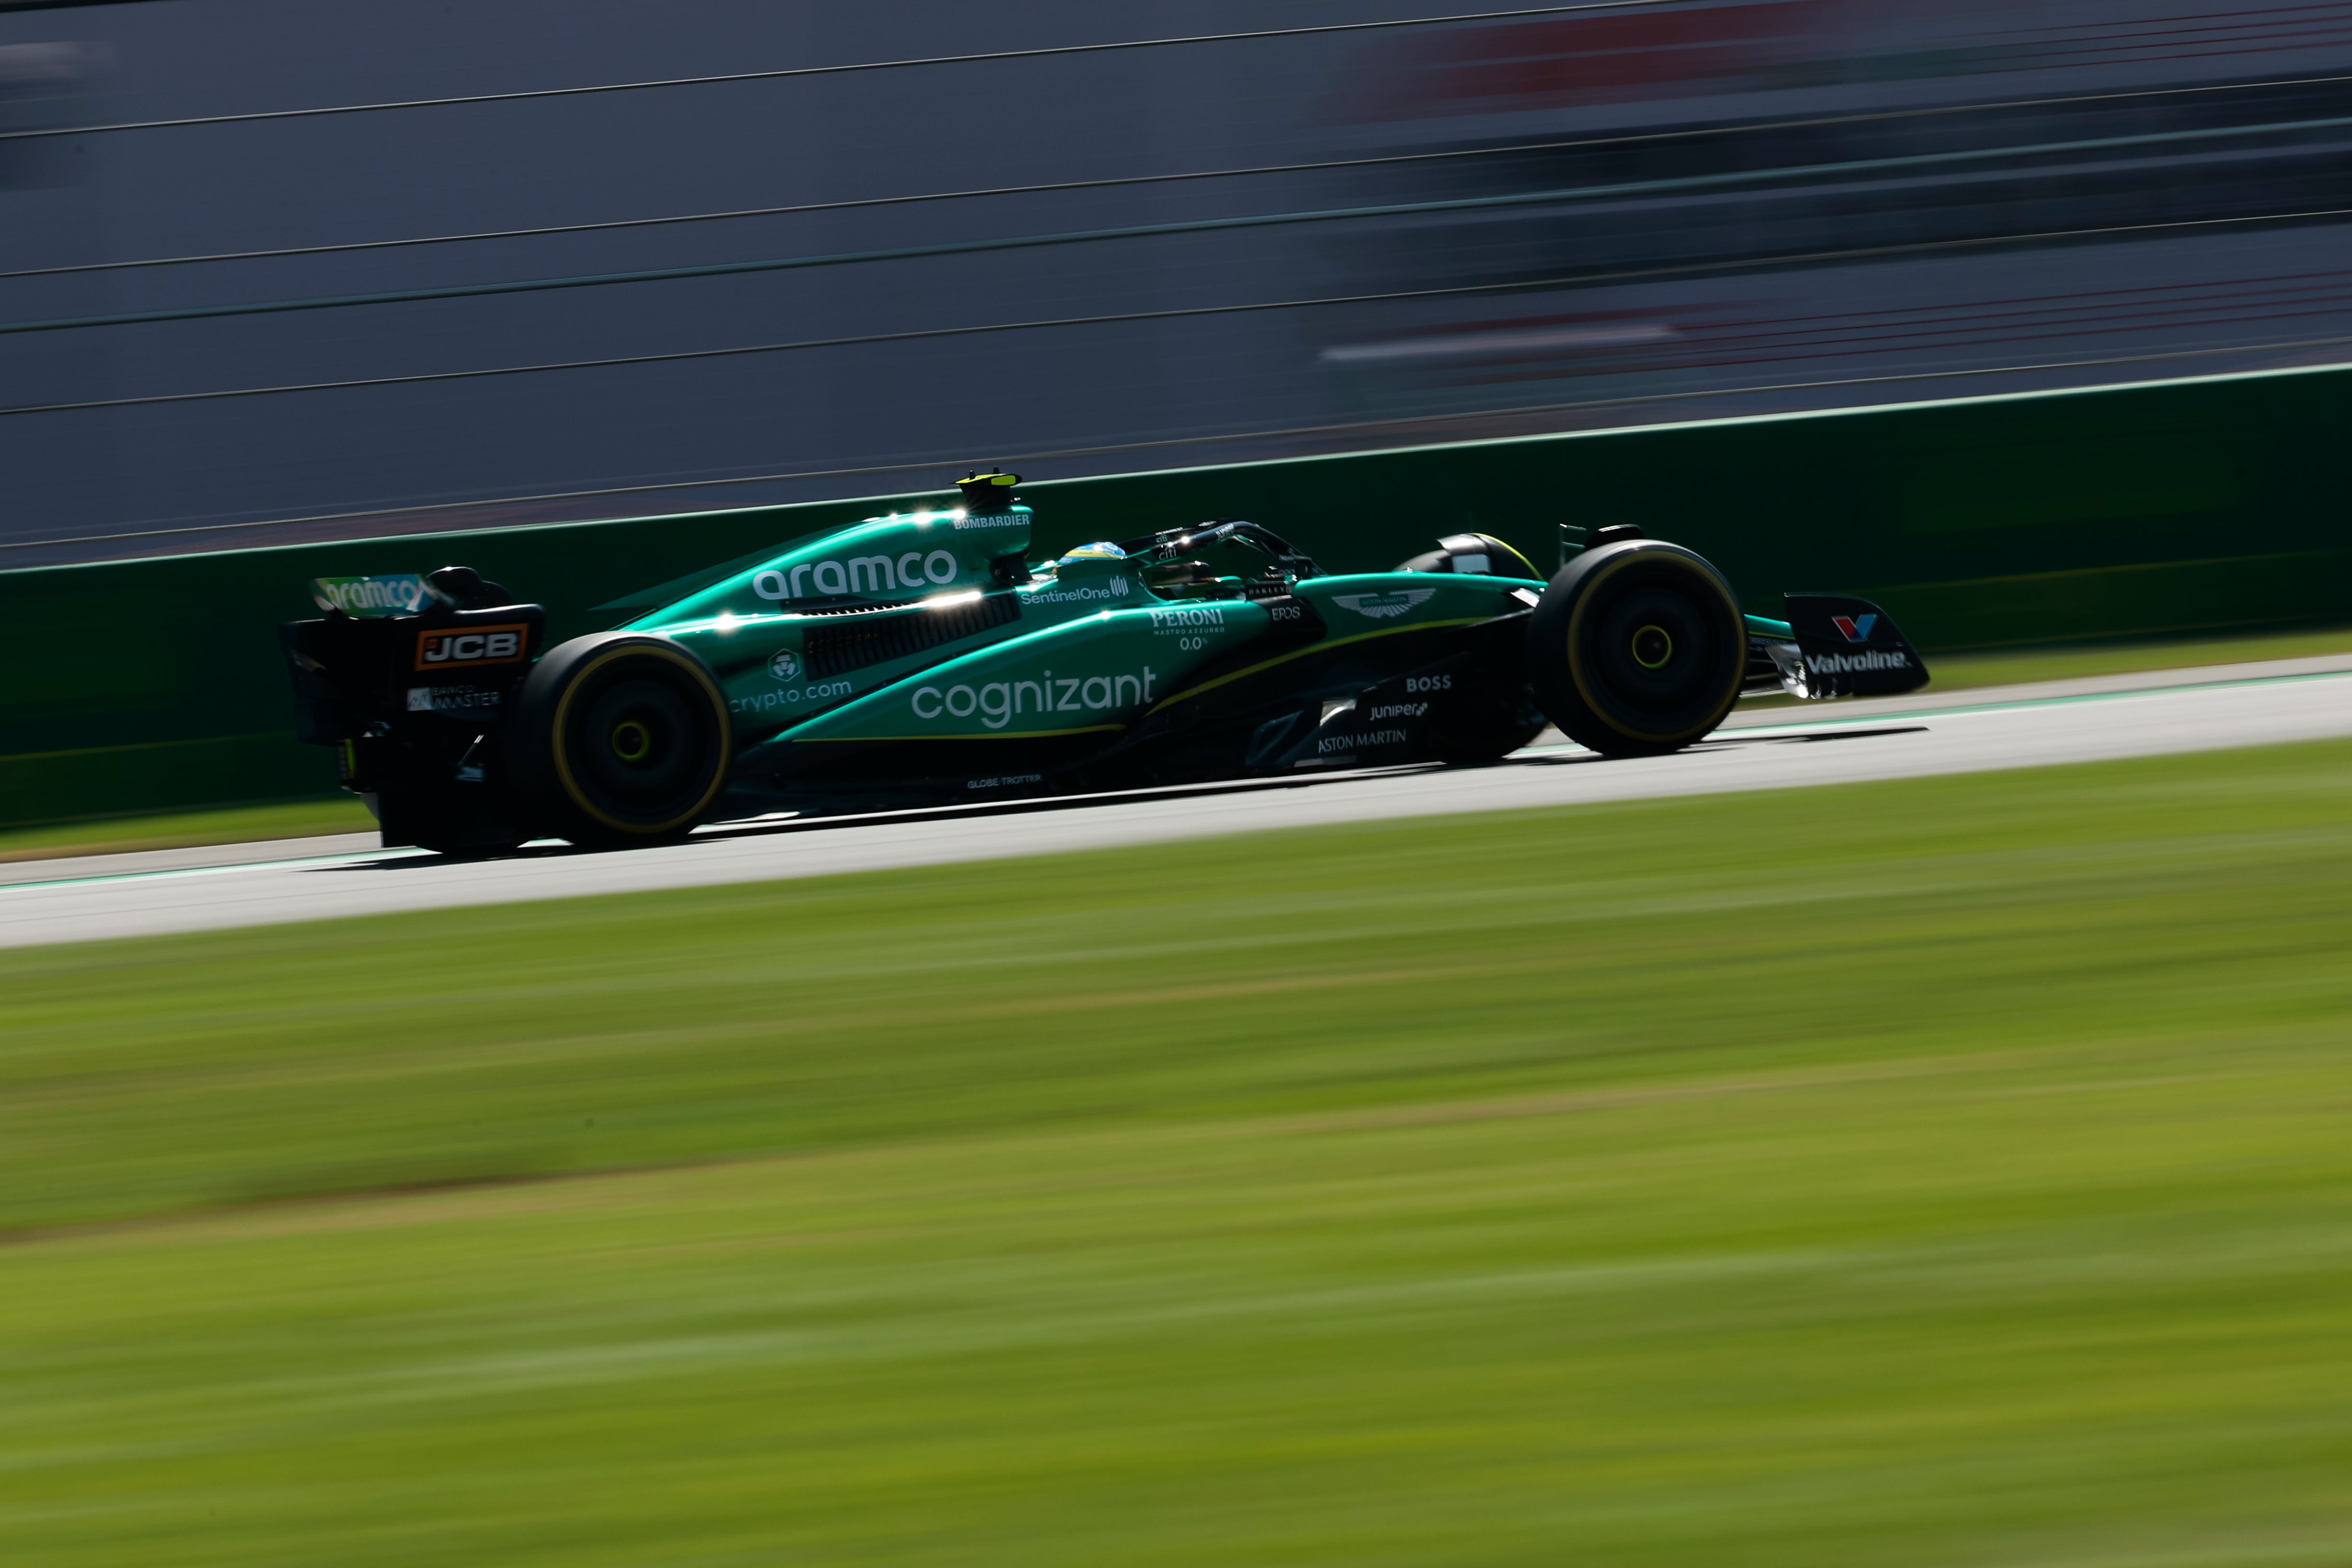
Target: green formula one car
[{"x": 923, "y": 659}]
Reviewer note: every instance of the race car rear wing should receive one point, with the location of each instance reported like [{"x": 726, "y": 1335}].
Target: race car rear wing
[
  {"x": 1832, "y": 644},
  {"x": 408, "y": 679}
]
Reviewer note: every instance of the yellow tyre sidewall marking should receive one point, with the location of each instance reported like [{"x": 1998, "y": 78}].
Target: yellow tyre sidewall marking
[
  {"x": 702, "y": 683},
  {"x": 1576, "y": 667}
]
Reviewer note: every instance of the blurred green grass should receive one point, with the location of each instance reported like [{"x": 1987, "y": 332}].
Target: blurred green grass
[
  {"x": 1966, "y": 671},
  {"x": 183, "y": 829},
  {"x": 1950, "y": 1170}
]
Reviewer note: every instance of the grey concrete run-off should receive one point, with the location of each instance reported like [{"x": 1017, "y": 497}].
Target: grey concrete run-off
[
  {"x": 83, "y": 867},
  {"x": 1932, "y": 701},
  {"x": 1859, "y": 744},
  {"x": 195, "y": 857}
]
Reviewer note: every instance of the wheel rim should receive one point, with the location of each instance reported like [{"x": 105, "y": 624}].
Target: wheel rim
[
  {"x": 641, "y": 742},
  {"x": 1655, "y": 648}
]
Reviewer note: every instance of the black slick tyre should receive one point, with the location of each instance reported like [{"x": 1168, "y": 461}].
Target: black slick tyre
[
  {"x": 618, "y": 739},
  {"x": 1637, "y": 649}
]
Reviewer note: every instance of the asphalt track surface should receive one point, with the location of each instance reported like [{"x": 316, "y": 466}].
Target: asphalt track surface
[{"x": 121, "y": 896}]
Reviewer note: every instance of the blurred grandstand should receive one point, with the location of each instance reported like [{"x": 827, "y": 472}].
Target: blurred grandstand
[{"x": 281, "y": 271}]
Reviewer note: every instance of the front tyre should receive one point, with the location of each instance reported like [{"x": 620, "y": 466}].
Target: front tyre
[
  {"x": 619, "y": 739},
  {"x": 1637, "y": 649}
]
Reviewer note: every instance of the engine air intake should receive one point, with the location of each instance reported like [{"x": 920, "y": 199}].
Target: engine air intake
[{"x": 854, "y": 643}]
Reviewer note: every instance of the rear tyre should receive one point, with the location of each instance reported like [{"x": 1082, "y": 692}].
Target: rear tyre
[
  {"x": 619, "y": 739},
  {"x": 1637, "y": 649}
]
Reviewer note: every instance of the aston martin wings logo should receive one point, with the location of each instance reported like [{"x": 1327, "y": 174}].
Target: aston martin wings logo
[{"x": 1380, "y": 606}]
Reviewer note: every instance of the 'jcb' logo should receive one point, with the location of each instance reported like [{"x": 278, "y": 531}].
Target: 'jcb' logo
[{"x": 469, "y": 646}]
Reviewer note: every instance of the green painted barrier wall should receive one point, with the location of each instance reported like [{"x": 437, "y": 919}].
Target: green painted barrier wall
[{"x": 2143, "y": 512}]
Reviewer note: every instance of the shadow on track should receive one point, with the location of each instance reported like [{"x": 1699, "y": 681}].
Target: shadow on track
[{"x": 719, "y": 833}]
